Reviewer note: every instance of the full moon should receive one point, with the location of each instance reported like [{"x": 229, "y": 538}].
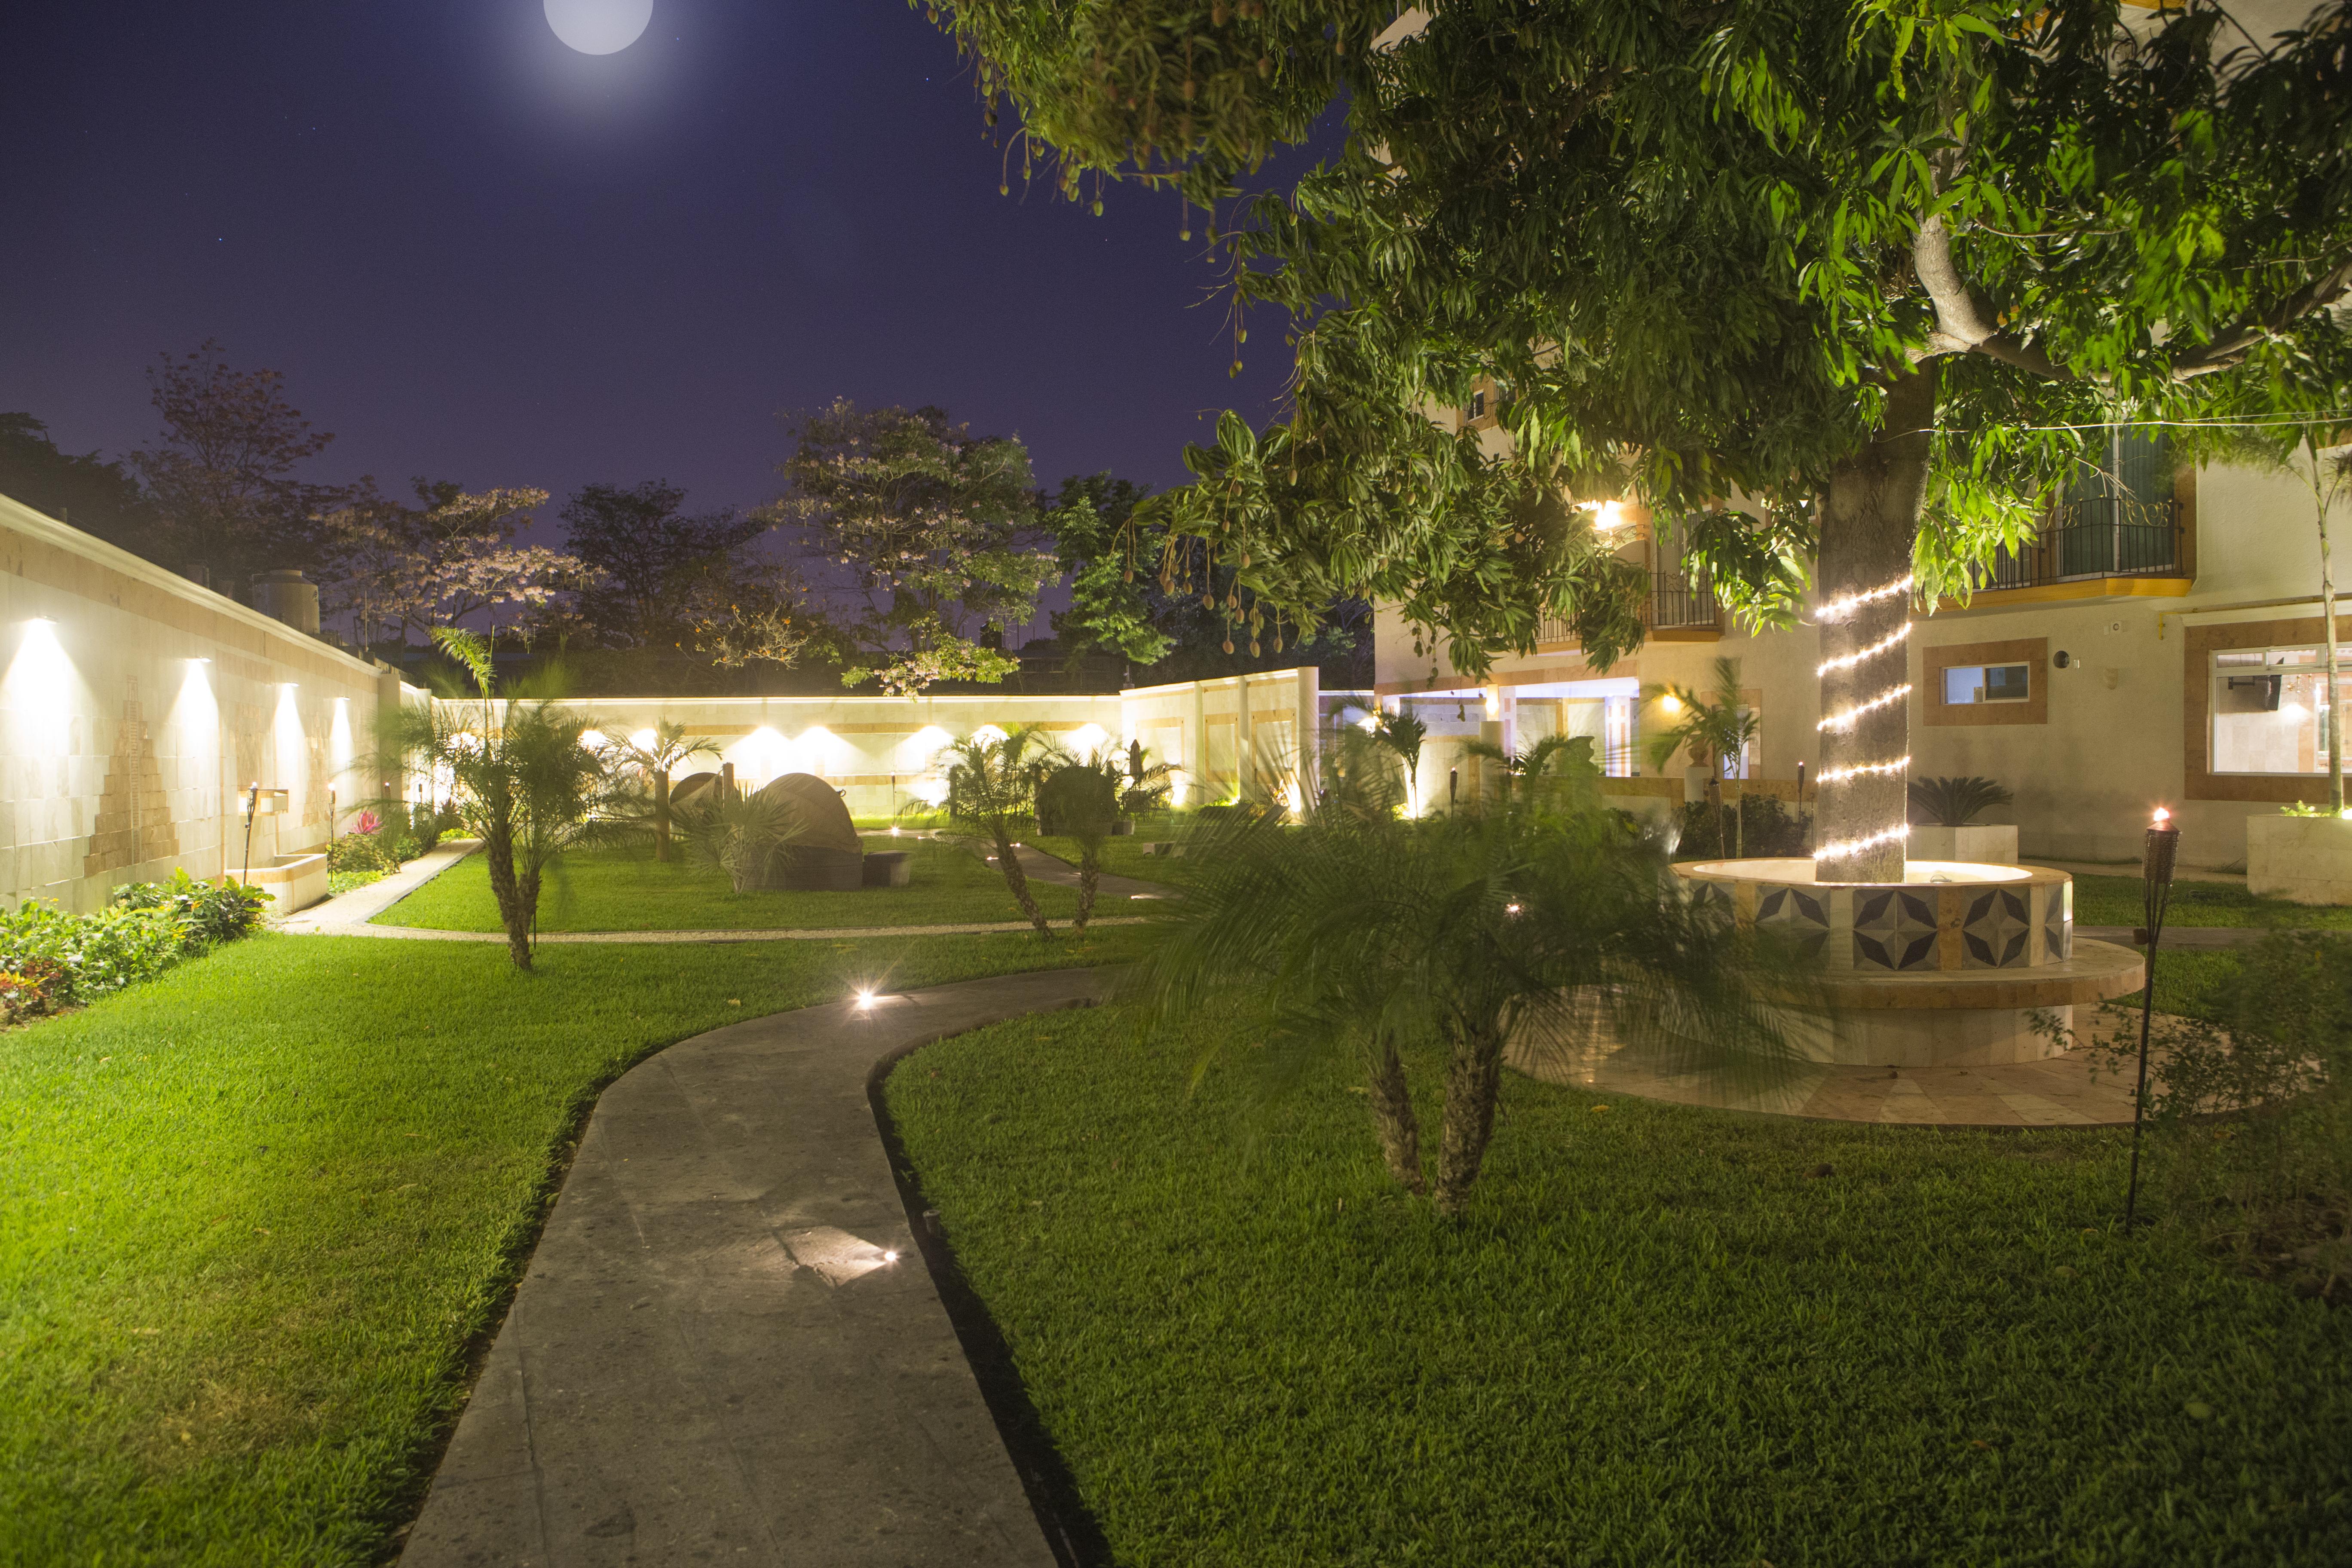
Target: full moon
[{"x": 599, "y": 27}]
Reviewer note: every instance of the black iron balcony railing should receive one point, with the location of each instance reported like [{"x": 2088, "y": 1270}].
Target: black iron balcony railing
[
  {"x": 1680, "y": 599},
  {"x": 2101, "y": 538}
]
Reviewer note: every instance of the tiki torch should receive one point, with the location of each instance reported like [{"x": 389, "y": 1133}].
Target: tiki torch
[{"x": 2155, "y": 894}]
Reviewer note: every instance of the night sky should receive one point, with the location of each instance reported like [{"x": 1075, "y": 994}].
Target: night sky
[{"x": 479, "y": 255}]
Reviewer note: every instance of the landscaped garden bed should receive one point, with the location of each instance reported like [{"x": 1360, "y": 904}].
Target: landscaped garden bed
[
  {"x": 627, "y": 889},
  {"x": 257, "y": 1216},
  {"x": 1658, "y": 1335}
]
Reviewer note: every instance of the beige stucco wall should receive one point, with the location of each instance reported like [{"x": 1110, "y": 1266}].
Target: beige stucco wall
[
  {"x": 2112, "y": 747},
  {"x": 121, "y": 757}
]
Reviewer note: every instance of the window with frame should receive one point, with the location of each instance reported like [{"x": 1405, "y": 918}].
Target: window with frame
[
  {"x": 1968, "y": 684},
  {"x": 2270, "y": 710}
]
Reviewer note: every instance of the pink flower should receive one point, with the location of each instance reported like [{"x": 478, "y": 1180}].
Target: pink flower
[{"x": 368, "y": 823}]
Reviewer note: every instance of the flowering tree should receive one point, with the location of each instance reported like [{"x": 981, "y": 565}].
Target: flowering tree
[
  {"x": 392, "y": 568},
  {"x": 933, "y": 526}
]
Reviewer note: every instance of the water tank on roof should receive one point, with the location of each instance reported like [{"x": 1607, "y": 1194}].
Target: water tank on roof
[{"x": 288, "y": 596}]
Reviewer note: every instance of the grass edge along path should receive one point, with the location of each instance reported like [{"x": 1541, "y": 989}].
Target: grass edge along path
[
  {"x": 1661, "y": 1334},
  {"x": 259, "y": 1216}
]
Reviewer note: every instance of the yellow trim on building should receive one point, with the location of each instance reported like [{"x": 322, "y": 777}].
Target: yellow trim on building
[{"x": 2080, "y": 588}]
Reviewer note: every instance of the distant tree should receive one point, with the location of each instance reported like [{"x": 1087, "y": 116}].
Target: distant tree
[
  {"x": 1166, "y": 604},
  {"x": 95, "y": 495},
  {"x": 652, "y": 564},
  {"x": 221, "y": 471},
  {"x": 392, "y": 568},
  {"x": 760, "y": 612},
  {"x": 935, "y": 529}
]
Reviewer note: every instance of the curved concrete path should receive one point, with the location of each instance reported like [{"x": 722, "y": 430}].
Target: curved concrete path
[{"x": 713, "y": 1357}]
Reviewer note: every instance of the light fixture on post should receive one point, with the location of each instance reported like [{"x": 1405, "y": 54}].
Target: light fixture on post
[{"x": 2159, "y": 854}]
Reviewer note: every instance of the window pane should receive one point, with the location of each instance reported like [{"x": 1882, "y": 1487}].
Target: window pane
[
  {"x": 2270, "y": 711},
  {"x": 1964, "y": 683},
  {"x": 2005, "y": 683}
]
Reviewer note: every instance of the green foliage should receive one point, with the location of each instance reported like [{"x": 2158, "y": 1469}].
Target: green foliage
[
  {"x": 934, "y": 527},
  {"x": 1377, "y": 940},
  {"x": 49, "y": 959},
  {"x": 1949, "y": 802},
  {"x": 1097, "y": 548},
  {"x": 2253, "y": 1101},
  {"x": 993, "y": 781},
  {"x": 1694, "y": 252},
  {"x": 739, "y": 834},
  {"x": 1663, "y": 1335},
  {"x": 1766, "y": 827}
]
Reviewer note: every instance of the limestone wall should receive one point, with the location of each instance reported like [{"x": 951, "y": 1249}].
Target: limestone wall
[{"x": 135, "y": 708}]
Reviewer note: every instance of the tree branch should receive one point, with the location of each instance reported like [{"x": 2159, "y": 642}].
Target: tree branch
[
  {"x": 2232, "y": 346},
  {"x": 1964, "y": 320}
]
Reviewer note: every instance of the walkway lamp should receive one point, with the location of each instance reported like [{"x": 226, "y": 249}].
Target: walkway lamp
[{"x": 2162, "y": 850}]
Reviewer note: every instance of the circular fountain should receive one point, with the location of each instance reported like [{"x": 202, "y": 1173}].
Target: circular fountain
[{"x": 1953, "y": 967}]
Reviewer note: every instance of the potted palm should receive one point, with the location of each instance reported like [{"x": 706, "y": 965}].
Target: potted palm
[{"x": 1944, "y": 824}]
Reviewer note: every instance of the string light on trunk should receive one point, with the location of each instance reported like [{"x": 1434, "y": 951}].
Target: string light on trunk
[
  {"x": 1838, "y": 609},
  {"x": 1886, "y": 644},
  {"x": 1862, "y": 770},
  {"x": 1868, "y": 841},
  {"x": 1847, "y": 718}
]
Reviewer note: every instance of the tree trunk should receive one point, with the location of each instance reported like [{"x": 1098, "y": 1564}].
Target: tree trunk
[
  {"x": 1089, "y": 878},
  {"x": 498, "y": 854},
  {"x": 1474, "y": 1074},
  {"x": 1869, "y": 521},
  {"x": 1393, "y": 1121},
  {"x": 661, "y": 814},
  {"x": 1016, "y": 879},
  {"x": 2328, "y": 616}
]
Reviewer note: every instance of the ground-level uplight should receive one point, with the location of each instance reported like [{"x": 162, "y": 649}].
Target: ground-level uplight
[
  {"x": 866, "y": 998},
  {"x": 889, "y": 1257}
]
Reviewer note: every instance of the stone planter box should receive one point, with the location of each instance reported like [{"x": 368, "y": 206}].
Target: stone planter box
[
  {"x": 1979, "y": 846},
  {"x": 2303, "y": 860},
  {"x": 889, "y": 867},
  {"x": 293, "y": 882}
]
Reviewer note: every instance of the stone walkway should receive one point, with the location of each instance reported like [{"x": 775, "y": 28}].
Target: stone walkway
[{"x": 726, "y": 1347}]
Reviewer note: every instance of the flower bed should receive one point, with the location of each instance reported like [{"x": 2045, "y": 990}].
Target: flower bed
[{"x": 49, "y": 959}]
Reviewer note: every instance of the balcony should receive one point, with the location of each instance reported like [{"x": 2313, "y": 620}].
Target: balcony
[
  {"x": 1681, "y": 608},
  {"x": 2087, "y": 543}
]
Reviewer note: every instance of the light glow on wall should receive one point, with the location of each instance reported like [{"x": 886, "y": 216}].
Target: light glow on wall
[
  {"x": 40, "y": 695},
  {"x": 817, "y": 751},
  {"x": 988, "y": 734},
  {"x": 1088, "y": 739},
  {"x": 759, "y": 758},
  {"x": 643, "y": 739},
  {"x": 339, "y": 744}
]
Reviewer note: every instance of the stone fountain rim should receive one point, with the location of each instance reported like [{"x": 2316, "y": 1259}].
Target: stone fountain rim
[{"x": 1792, "y": 871}]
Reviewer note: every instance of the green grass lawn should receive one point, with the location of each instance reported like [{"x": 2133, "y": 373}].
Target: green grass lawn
[
  {"x": 2115, "y": 901},
  {"x": 1121, "y": 857},
  {"x": 607, "y": 889},
  {"x": 1663, "y": 1335},
  {"x": 255, "y": 1214}
]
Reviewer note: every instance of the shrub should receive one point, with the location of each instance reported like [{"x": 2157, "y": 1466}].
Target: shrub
[
  {"x": 1954, "y": 801},
  {"x": 359, "y": 852},
  {"x": 49, "y": 959},
  {"x": 1767, "y": 828},
  {"x": 210, "y": 912}
]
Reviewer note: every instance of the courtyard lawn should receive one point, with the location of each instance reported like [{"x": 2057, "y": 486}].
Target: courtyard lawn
[
  {"x": 257, "y": 1216},
  {"x": 1121, "y": 857},
  {"x": 2115, "y": 901},
  {"x": 609, "y": 889},
  {"x": 1662, "y": 1335}
]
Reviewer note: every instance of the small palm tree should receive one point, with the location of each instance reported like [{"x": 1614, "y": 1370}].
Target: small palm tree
[
  {"x": 1401, "y": 734},
  {"x": 1561, "y": 761},
  {"x": 739, "y": 834},
  {"x": 1082, "y": 799},
  {"x": 1955, "y": 802},
  {"x": 1452, "y": 938},
  {"x": 993, "y": 782},
  {"x": 525, "y": 780},
  {"x": 1717, "y": 730},
  {"x": 658, "y": 757}
]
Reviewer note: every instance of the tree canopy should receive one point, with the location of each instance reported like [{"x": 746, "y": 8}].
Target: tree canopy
[{"x": 1704, "y": 250}]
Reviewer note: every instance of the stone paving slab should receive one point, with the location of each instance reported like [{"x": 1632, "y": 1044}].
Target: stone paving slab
[{"x": 713, "y": 1356}]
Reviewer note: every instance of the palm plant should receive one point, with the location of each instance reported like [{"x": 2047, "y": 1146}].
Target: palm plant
[
  {"x": 1719, "y": 731},
  {"x": 992, "y": 780},
  {"x": 524, "y": 780},
  {"x": 1564, "y": 761},
  {"x": 1401, "y": 734},
  {"x": 657, "y": 756},
  {"x": 1082, "y": 800},
  {"x": 1955, "y": 802},
  {"x": 739, "y": 834},
  {"x": 1455, "y": 938},
  {"x": 1148, "y": 784}
]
